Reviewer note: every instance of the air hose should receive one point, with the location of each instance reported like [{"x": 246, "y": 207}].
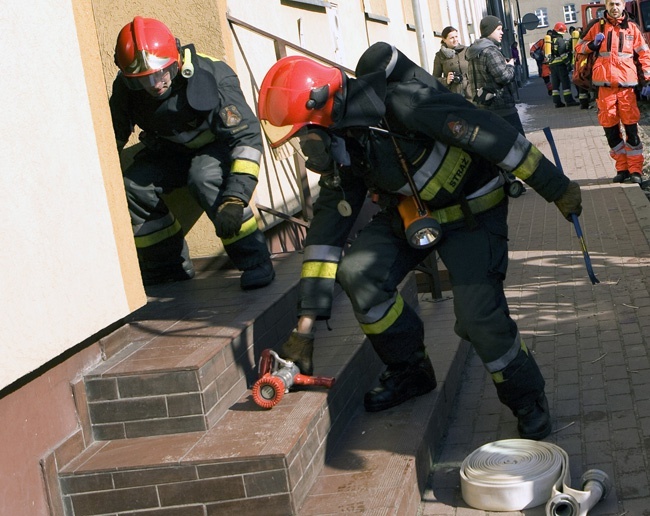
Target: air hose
[{"x": 517, "y": 474}]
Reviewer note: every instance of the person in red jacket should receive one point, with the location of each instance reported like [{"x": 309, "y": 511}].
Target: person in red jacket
[
  {"x": 543, "y": 69},
  {"x": 621, "y": 47}
]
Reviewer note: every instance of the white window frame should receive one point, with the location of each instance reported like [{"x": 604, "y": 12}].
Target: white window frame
[
  {"x": 542, "y": 14},
  {"x": 570, "y": 13}
]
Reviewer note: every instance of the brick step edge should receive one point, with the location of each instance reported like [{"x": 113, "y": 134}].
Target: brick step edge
[
  {"x": 252, "y": 459},
  {"x": 381, "y": 464}
]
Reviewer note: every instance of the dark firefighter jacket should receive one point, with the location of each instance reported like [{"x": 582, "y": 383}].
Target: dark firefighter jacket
[
  {"x": 209, "y": 106},
  {"x": 453, "y": 151}
]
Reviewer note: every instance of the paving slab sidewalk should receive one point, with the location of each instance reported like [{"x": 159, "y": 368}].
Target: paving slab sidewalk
[{"x": 591, "y": 341}]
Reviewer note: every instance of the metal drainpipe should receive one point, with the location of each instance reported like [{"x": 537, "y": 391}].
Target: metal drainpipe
[{"x": 424, "y": 60}]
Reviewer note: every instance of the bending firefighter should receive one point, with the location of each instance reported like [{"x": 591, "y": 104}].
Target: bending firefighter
[
  {"x": 394, "y": 131},
  {"x": 197, "y": 130}
]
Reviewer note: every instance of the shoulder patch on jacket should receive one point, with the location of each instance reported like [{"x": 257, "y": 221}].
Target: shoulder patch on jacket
[
  {"x": 457, "y": 128},
  {"x": 230, "y": 115}
]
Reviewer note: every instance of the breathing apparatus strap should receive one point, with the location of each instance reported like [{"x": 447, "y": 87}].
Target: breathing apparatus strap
[
  {"x": 422, "y": 209},
  {"x": 467, "y": 213}
]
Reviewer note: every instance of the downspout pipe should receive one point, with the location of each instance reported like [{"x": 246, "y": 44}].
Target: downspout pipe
[{"x": 422, "y": 48}]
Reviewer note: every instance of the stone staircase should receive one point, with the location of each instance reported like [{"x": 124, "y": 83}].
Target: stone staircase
[{"x": 168, "y": 426}]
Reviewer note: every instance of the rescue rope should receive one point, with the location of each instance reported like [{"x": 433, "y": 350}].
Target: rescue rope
[{"x": 516, "y": 474}]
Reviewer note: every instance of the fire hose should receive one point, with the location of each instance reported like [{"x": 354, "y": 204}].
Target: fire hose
[{"x": 517, "y": 474}]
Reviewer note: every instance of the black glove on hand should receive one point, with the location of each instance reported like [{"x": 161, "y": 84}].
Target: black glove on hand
[
  {"x": 571, "y": 201},
  {"x": 229, "y": 217},
  {"x": 315, "y": 145}
]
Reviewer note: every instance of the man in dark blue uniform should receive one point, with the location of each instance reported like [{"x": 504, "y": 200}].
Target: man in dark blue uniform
[
  {"x": 397, "y": 133},
  {"x": 197, "y": 130}
]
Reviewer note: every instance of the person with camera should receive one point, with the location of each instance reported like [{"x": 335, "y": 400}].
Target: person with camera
[
  {"x": 491, "y": 75},
  {"x": 449, "y": 64},
  {"x": 396, "y": 132}
]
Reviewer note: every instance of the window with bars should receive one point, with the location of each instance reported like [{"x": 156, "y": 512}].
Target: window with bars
[{"x": 570, "y": 14}]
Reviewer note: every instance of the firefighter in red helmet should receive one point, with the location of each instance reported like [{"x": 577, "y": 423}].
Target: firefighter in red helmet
[
  {"x": 559, "y": 54},
  {"x": 196, "y": 130},
  {"x": 396, "y": 132}
]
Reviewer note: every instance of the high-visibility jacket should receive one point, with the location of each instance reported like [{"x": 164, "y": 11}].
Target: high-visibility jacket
[{"x": 622, "y": 48}]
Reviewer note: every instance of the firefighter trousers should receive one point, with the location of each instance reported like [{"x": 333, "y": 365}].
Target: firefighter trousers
[
  {"x": 380, "y": 258},
  {"x": 204, "y": 172}
]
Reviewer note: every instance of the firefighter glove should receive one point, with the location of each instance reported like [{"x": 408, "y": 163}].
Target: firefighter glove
[
  {"x": 571, "y": 201},
  {"x": 229, "y": 217},
  {"x": 315, "y": 144},
  {"x": 598, "y": 38}
]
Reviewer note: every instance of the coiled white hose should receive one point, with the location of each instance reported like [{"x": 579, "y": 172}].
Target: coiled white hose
[{"x": 517, "y": 474}]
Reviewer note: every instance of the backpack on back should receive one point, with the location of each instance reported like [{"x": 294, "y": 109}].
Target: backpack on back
[{"x": 584, "y": 63}]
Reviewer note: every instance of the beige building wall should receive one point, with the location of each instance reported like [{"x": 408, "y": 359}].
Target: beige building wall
[{"x": 68, "y": 265}]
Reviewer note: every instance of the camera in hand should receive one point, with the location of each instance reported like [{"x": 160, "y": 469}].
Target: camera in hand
[{"x": 458, "y": 78}]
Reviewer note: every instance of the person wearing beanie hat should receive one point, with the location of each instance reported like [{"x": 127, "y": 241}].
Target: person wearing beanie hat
[
  {"x": 450, "y": 66},
  {"x": 491, "y": 75},
  {"x": 488, "y": 25}
]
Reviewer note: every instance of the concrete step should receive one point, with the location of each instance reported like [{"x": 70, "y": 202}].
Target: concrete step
[
  {"x": 381, "y": 463},
  {"x": 251, "y": 460},
  {"x": 191, "y": 356}
]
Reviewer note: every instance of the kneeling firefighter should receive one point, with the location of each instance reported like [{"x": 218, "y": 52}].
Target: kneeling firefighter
[
  {"x": 197, "y": 131},
  {"x": 395, "y": 132}
]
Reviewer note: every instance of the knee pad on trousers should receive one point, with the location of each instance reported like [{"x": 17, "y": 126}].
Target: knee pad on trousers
[
  {"x": 401, "y": 340},
  {"x": 613, "y": 135},
  {"x": 521, "y": 382},
  {"x": 632, "y": 135}
]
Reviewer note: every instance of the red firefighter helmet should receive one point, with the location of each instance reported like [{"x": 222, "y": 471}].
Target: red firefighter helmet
[
  {"x": 146, "y": 46},
  {"x": 297, "y": 91},
  {"x": 560, "y": 27}
]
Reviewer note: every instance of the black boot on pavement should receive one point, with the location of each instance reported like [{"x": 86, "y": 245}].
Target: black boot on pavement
[
  {"x": 620, "y": 176},
  {"x": 402, "y": 382},
  {"x": 559, "y": 105},
  {"x": 299, "y": 348},
  {"x": 635, "y": 177},
  {"x": 534, "y": 420},
  {"x": 180, "y": 272}
]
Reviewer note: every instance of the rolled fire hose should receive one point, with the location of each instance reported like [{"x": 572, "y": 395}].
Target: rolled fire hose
[{"x": 517, "y": 474}]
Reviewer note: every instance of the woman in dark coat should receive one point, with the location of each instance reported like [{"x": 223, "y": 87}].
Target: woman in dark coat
[{"x": 450, "y": 65}]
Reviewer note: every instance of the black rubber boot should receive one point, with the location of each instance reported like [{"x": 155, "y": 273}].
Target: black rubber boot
[
  {"x": 257, "y": 277},
  {"x": 620, "y": 176},
  {"x": 299, "y": 348},
  {"x": 636, "y": 178},
  {"x": 534, "y": 420},
  {"x": 402, "y": 382},
  {"x": 166, "y": 262}
]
